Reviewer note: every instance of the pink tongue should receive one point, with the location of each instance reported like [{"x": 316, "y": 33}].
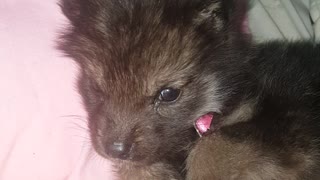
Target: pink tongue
[{"x": 203, "y": 123}]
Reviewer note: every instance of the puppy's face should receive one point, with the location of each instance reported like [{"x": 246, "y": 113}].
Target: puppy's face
[{"x": 148, "y": 73}]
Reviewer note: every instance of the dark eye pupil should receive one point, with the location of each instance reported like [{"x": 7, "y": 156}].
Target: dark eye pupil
[{"x": 169, "y": 94}]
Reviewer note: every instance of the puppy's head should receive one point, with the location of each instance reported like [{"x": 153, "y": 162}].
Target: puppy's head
[{"x": 151, "y": 68}]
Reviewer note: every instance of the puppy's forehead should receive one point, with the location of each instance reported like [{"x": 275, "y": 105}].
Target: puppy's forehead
[
  {"x": 150, "y": 67},
  {"x": 165, "y": 58},
  {"x": 147, "y": 50}
]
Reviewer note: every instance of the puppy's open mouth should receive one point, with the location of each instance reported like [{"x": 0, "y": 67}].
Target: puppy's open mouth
[{"x": 205, "y": 124}]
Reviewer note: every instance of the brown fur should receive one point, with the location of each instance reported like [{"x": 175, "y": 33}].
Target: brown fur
[{"x": 265, "y": 98}]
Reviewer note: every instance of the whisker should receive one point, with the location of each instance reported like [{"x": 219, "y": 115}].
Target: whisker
[
  {"x": 72, "y": 116},
  {"x": 79, "y": 126}
]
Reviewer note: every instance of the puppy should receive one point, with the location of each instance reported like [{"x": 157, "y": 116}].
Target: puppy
[{"x": 153, "y": 70}]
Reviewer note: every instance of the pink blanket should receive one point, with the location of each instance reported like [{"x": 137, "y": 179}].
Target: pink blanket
[{"x": 43, "y": 134}]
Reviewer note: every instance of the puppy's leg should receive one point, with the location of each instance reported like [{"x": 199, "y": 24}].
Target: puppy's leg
[{"x": 216, "y": 157}]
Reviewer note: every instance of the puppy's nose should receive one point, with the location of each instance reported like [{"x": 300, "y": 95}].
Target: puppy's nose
[{"x": 119, "y": 149}]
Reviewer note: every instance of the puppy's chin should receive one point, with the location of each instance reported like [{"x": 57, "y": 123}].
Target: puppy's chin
[
  {"x": 136, "y": 159},
  {"x": 139, "y": 161}
]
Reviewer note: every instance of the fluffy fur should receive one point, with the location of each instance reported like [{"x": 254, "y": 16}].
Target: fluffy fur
[{"x": 265, "y": 97}]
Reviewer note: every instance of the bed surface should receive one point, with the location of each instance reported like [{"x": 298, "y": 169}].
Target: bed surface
[{"x": 43, "y": 135}]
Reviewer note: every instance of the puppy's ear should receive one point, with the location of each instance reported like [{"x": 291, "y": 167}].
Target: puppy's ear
[
  {"x": 71, "y": 9},
  {"x": 220, "y": 15}
]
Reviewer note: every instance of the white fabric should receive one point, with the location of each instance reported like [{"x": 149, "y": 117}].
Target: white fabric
[{"x": 284, "y": 19}]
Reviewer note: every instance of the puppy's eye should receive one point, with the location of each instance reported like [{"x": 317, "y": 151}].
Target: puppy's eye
[{"x": 169, "y": 94}]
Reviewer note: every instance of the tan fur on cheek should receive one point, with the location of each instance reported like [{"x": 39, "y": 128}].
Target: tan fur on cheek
[{"x": 242, "y": 113}]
